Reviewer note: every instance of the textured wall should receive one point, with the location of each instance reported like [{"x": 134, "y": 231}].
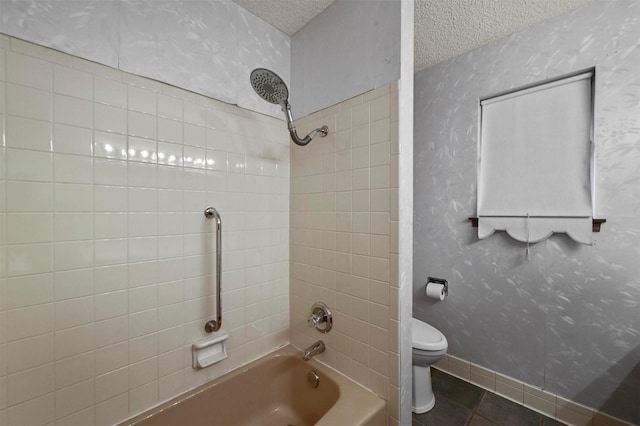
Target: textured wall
[
  {"x": 344, "y": 239},
  {"x": 350, "y": 48},
  {"x": 206, "y": 46},
  {"x": 105, "y": 254},
  {"x": 568, "y": 320}
]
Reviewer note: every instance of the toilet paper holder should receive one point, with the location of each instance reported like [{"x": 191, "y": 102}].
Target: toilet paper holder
[{"x": 439, "y": 281}]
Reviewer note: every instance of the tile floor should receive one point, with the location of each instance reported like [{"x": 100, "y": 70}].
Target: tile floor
[{"x": 459, "y": 403}]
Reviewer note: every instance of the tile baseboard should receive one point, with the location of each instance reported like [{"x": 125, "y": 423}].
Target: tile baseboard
[{"x": 536, "y": 399}]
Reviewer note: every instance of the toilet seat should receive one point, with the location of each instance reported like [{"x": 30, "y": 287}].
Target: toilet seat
[{"x": 426, "y": 337}]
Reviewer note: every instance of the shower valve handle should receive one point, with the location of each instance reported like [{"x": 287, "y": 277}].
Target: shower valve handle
[{"x": 320, "y": 317}]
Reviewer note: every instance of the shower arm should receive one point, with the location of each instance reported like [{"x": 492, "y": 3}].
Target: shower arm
[{"x": 324, "y": 130}]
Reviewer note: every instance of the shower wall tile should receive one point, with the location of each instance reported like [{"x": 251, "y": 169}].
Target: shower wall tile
[
  {"x": 106, "y": 273},
  {"x": 340, "y": 246}
]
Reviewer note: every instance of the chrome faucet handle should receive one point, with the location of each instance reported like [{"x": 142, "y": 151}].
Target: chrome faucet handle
[
  {"x": 315, "y": 319},
  {"x": 320, "y": 317}
]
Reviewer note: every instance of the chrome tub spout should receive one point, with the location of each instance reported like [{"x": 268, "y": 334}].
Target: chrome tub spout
[{"x": 315, "y": 349}]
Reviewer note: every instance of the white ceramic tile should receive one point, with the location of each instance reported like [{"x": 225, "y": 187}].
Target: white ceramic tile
[
  {"x": 110, "y": 145},
  {"x": 196, "y": 158},
  {"x": 170, "y": 130},
  {"x": 29, "y": 290},
  {"x": 112, "y": 251},
  {"x": 28, "y": 71},
  {"x": 142, "y": 199},
  {"x": 109, "y": 172},
  {"x": 29, "y": 259},
  {"x": 143, "y": 348},
  {"x": 142, "y": 125},
  {"x": 29, "y": 353},
  {"x": 73, "y": 283},
  {"x": 142, "y": 100},
  {"x": 142, "y": 174},
  {"x": 72, "y": 140},
  {"x": 70, "y": 82},
  {"x": 109, "y": 91},
  {"x": 144, "y": 150},
  {"x": 112, "y": 331},
  {"x": 170, "y": 107},
  {"x": 82, "y": 417},
  {"x": 74, "y": 341},
  {"x": 142, "y": 224},
  {"x": 28, "y": 133},
  {"x": 29, "y": 165},
  {"x": 110, "y": 225},
  {"x": 142, "y": 249},
  {"x": 142, "y": 397},
  {"x": 110, "y": 118},
  {"x": 170, "y": 154},
  {"x": 112, "y": 384},
  {"x": 113, "y": 410},
  {"x": 38, "y": 411},
  {"x": 74, "y": 312},
  {"x": 27, "y": 196},
  {"x": 111, "y": 199},
  {"x": 73, "y": 255},
  {"x": 380, "y": 132},
  {"x": 29, "y": 322},
  {"x": 111, "y": 358},
  {"x": 194, "y": 135},
  {"x": 110, "y": 305},
  {"x": 72, "y": 111},
  {"x": 28, "y": 102},
  {"x": 73, "y": 197},
  {"x": 73, "y": 226},
  {"x": 111, "y": 278},
  {"x": 29, "y": 384},
  {"x": 73, "y": 168},
  {"x": 74, "y": 398},
  {"x": 25, "y": 228},
  {"x": 73, "y": 370}
]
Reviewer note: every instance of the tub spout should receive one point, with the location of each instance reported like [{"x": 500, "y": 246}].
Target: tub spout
[{"x": 315, "y": 349}]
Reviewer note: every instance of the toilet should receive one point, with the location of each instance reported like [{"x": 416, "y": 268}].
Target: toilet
[{"x": 428, "y": 347}]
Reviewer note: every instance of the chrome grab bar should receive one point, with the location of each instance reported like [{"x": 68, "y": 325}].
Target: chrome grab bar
[{"x": 214, "y": 325}]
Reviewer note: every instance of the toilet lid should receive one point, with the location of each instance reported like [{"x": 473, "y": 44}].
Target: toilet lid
[{"x": 426, "y": 337}]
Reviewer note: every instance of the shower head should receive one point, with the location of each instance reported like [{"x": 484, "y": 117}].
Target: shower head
[
  {"x": 272, "y": 89},
  {"x": 269, "y": 86}
]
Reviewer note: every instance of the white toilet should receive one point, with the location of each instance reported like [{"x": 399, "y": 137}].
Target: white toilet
[{"x": 428, "y": 347}]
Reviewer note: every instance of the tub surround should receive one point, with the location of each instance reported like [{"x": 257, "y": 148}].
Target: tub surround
[
  {"x": 567, "y": 320},
  {"x": 106, "y": 272},
  {"x": 344, "y": 239}
]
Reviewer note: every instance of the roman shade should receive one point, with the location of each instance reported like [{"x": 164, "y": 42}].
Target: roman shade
[{"x": 535, "y": 161}]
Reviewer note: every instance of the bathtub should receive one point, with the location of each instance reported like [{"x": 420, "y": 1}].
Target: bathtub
[{"x": 274, "y": 390}]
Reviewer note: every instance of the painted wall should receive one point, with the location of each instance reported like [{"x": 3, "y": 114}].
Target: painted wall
[
  {"x": 344, "y": 239},
  {"x": 350, "y": 48},
  {"x": 567, "y": 320},
  {"x": 205, "y": 46},
  {"x": 106, "y": 257}
]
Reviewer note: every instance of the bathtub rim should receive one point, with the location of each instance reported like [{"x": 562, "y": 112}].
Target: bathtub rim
[{"x": 364, "y": 407}]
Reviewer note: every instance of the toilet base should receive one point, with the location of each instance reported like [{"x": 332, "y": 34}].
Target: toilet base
[{"x": 422, "y": 399}]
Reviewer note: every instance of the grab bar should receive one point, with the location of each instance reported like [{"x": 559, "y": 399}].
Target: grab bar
[{"x": 214, "y": 325}]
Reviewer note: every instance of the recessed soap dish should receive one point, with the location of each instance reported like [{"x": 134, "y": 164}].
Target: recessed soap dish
[{"x": 207, "y": 352}]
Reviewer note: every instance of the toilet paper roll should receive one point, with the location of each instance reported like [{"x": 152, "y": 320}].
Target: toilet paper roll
[{"x": 435, "y": 291}]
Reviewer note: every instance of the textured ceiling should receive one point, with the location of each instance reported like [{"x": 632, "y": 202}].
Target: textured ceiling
[
  {"x": 448, "y": 28},
  {"x": 443, "y": 28},
  {"x": 286, "y": 15}
]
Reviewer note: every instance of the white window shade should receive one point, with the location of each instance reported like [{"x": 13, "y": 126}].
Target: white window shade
[{"x": 536, "y": 160}]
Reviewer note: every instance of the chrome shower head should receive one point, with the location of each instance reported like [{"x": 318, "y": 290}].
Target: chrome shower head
[{"x": 269, "y": 86}]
